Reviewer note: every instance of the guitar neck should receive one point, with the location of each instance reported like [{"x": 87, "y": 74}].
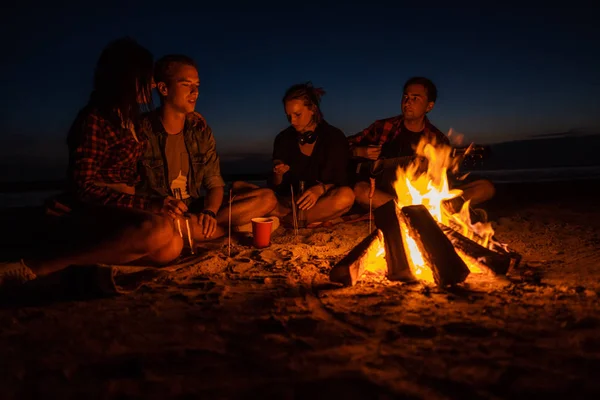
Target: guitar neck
[{"x": 376, "y": 166}]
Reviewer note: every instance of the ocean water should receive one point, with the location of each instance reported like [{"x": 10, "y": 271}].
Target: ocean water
[
  {"x": 498, "y": 177},
  {"x": 37, "y": 198},
  {"x": 539, "y": 174}
]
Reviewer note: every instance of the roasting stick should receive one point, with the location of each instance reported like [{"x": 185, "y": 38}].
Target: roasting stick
[
  {"x": 179, "y": 227},
  {"x": 294, "y": 216},
  {"x": 189, "y": 235},
  {"x": 229, "y": 244},
  {"x": 177, "y": 193},
  {"x": 371, "y": 193}
]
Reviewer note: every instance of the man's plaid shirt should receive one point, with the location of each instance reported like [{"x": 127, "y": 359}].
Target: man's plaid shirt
[
  {"x": 385, "y": 130},
  {"x": 103, "y": 152}
]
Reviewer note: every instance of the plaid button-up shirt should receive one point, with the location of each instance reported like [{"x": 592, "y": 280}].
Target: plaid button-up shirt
[
  {"x": 385, "y": 131},
  {"x": 103, "y": 155}
]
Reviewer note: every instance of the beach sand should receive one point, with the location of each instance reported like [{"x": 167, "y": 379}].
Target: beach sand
[{"x": 269, "y": 324}]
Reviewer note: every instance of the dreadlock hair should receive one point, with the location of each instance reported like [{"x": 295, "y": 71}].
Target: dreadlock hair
[{"x": 310, "y": 96}]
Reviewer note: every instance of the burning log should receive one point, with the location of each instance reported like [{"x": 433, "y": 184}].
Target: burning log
[
  {"x": 472, "y": 246},
  {"x": 386, "y": 219},
  {"x": 515, "y": 258},
  {"x": 349, "y": 269},
  {"x": 446, "y": 265},
  {"x": 493, "y": 262}
]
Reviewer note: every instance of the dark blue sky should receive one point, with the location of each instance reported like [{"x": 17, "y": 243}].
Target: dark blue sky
[{"x": 501, "y": 73}]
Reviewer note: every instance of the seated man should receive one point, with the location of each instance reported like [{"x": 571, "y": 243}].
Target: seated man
[
  {"x": 315, "y": 153},
  {"x": 181, "y": 156},
  {"x": 398, "y": 137}
]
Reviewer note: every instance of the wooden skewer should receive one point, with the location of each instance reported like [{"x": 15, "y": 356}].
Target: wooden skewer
[
  {"x": 229, "y": 244},
  {"x": 189, "y": 234},
  {"x": 177, "y": 193},
  {"x": 370, "y": 213},
  {"x": 179, "y": 227},
  {"x": 371, "y": 193},
  {"x": 294, "y": 214}
]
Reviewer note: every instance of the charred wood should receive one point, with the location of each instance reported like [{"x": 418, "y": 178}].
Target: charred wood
[
  {"x": 386, "y": 219},
  {"x": 446, "y": 265},
  {"x": 491, "y": 261},
  {"x": 349, "y": 269}
]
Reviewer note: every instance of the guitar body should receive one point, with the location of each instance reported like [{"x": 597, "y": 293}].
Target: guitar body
[{"x": 361, "y": 169}]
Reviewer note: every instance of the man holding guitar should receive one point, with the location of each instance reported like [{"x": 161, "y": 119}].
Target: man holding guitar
[{"x": 388, "y": 143}]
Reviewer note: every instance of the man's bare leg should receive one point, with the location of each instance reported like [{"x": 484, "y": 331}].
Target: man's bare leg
[
  {"x": 249, "y": 201},
  {"x": 282, "y": 209},
  {"x": 478, "y": 191},
  {"x": 247, "y": 204},
  {"x": 361, "y": 193},
  {"x": 136, "y": 235}
]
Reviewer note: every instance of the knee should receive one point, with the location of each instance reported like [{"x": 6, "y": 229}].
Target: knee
[
  {"x": 485, "y": 191},
  {"x": 479, "y": 191},
  {"x": 156, "y": 232},
  {"x": 361, "y": 190},
  {"x": 168, "y": 252},
  {"x": 268, "y": 198},
  {"x": 240, "y": 186},
  {"x": 264, "y": 199},
  {"x": 344, "y": 198}
]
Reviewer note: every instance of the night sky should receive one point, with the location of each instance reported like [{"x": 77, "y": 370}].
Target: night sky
[{"x": 501, "y": 74}]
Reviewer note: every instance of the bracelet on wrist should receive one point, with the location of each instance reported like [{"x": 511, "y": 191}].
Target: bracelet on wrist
[
  {"x": 323, "y": 188},
  {"x": 209, "y": 212}
]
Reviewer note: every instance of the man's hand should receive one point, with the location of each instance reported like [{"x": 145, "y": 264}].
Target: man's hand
[
  {"x": 172, "y": 207},
  {"x": 310, "y": 197},
  {"x": 279, "y": 168},
  {"x": 206, "y": 223},
  {"x": 368, "y": 152}
]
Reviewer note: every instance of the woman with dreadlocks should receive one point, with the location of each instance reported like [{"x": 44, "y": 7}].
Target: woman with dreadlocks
[
  {"x": 313, "y": 152},
  {"x": 104, "y": 221}
]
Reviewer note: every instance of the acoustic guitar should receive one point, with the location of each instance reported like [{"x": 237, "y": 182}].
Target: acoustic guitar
[{"x": 363, "y": 168}]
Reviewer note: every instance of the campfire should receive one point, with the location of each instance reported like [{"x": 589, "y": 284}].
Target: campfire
[{"x": 421, "y": 236}]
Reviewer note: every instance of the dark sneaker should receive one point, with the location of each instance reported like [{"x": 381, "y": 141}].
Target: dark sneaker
[{"x": 15, "y": 273}]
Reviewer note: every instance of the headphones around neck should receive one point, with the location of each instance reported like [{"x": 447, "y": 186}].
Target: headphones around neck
[{"x": 308, "y": 137}]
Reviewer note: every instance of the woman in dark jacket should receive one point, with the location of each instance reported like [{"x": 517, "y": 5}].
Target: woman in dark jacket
[{"x": 314, "y": 152}]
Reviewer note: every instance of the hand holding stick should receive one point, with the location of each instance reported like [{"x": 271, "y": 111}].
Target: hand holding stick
[{"x": 177, "y": 193}]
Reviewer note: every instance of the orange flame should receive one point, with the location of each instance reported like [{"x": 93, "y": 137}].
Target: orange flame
[{"x": 425, "y": 182}]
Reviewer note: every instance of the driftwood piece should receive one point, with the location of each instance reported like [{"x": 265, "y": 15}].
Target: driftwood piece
[
  {"x": 349, "y": 269},
  {"x": 447, "y": 267},
  {"x": 386, "y": 219},
  {"x": 490, "y": 261}
]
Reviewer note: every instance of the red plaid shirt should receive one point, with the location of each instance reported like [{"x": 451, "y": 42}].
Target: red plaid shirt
[
  {"x": 102, "y": 152},
  {"x": 386, "y": 130}
]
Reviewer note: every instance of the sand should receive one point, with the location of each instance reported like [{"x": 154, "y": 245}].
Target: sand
[{"x": 269, "y": 324}]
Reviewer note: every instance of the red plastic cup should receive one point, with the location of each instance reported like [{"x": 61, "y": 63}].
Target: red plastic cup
[{"x": 261, "y": 232}]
